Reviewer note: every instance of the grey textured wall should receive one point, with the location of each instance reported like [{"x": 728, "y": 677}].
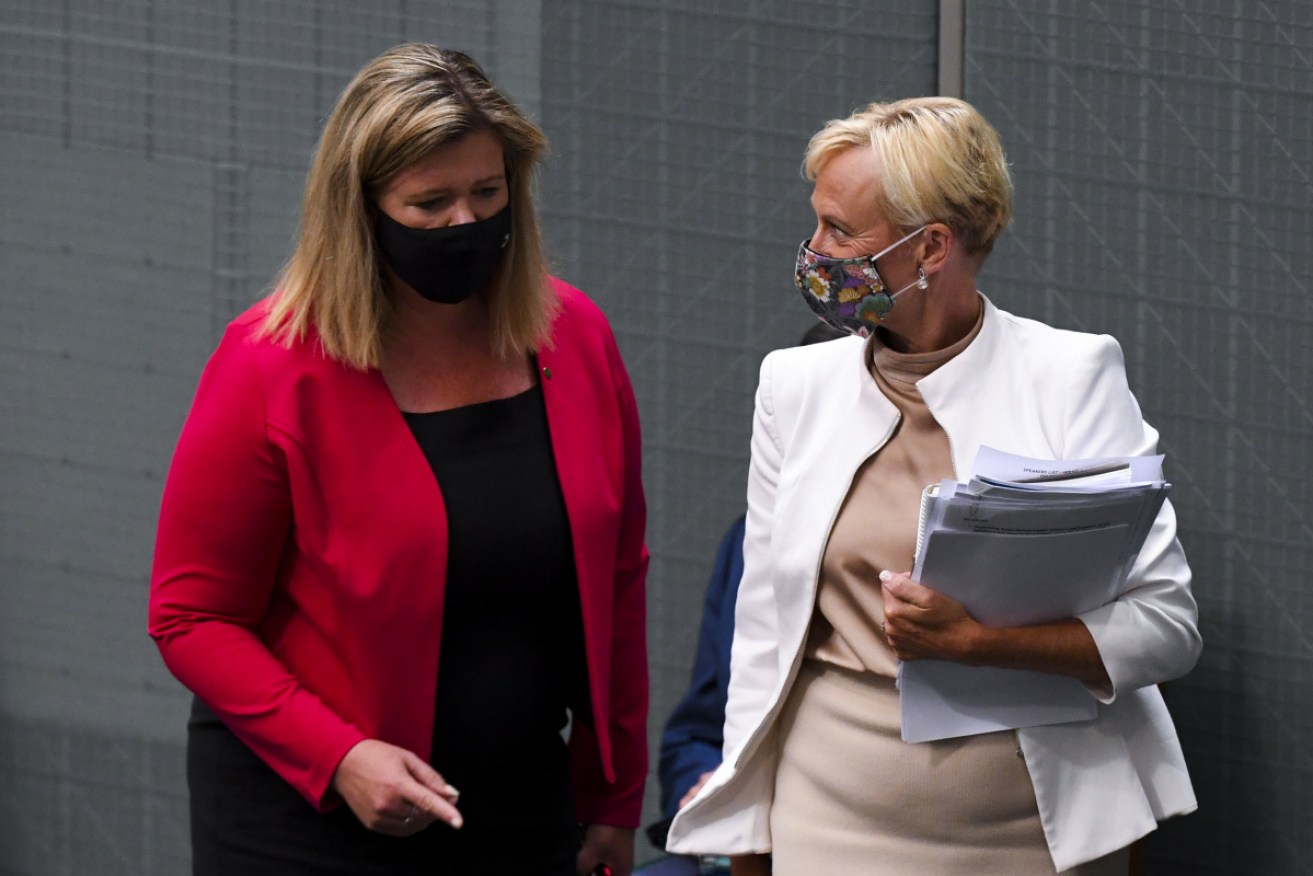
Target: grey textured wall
[
  {"x": 1163, "y": 158},
  {"x": 151, "y": 155}
]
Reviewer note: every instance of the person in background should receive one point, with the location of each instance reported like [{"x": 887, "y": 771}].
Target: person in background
[
  {"x": 909, "y": 199},
  {"x": 691, "y": 742},
  {"x": 401, "y": 540}
]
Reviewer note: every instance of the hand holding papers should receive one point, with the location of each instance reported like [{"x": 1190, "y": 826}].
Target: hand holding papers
[{"x": 1024, "y": 541}]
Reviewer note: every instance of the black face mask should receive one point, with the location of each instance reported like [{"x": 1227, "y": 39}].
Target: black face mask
[{"x": 445, "y": 265}]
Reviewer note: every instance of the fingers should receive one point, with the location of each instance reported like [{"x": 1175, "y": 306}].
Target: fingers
[
  {"x": 693, "y": 791},
  {"x": 897, "y": 605},
  {"x": 429, "y": 778},
  {"x": 430, "y": 807},
  {"x": 907, "y": 602},
  {"x": 410, "y": 810},
  {"x": 901, "y": 586},
  {"x": 920, "y": 622},
  {"x": 393, "y": 791},
  {"x": 432, "y": 798},
  {"x": 400, "y": 816},
  {"x": 906, "y": 609},
  {"x": 403, "y": 820}
]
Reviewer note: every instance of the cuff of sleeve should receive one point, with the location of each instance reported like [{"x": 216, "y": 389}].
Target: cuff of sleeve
[
  {"x": 615, "y": 811},
  {"x": 1095, "y": 621},
  {"x": 321, "y": 792}
]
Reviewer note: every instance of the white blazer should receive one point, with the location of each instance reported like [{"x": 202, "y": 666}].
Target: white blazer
[{"x": 1020, "y": 386}]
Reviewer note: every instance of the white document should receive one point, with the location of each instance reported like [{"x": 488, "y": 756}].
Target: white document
[
  {"x": 941, "y": 700},
  {"x": 1038, "y": 541},
  {"x": 998, "y": 465},
  {"x": 938, "y": 703}
]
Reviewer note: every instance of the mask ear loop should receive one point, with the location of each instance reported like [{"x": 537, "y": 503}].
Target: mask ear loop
[
  {"x": 920, "y": 282},
  {"x": 883, "y": 302}
]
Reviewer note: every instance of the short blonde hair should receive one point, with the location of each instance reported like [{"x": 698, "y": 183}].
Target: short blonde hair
[
  {"x": 940, "y": 161},
  {"x": 398, "y": 108}
]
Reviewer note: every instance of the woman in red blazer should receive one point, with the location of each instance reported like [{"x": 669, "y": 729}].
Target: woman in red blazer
[{"x": 402, "y": 535}]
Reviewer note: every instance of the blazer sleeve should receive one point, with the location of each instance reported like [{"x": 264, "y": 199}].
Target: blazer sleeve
[
  {"x": 225, "y": 520},
  {"x": 1150, "y": 633},
  {"x": 620, "y": 803},
  {"x": 694, "y": 733}
]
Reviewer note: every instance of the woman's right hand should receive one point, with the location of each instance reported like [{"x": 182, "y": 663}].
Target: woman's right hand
[
  {"x": 750, "y": 865},
  {"x": 393, "y": 791},
  {"x": 693, "y": 791}
]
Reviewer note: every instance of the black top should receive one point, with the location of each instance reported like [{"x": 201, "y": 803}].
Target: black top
[{"x": 512, "y": 658}]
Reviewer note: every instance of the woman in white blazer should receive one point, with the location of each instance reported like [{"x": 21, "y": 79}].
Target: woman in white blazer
[{"x": 909, "y": 199}]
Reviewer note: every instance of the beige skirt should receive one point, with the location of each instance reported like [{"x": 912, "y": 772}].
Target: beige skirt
[{"x": 851, "y": 797}]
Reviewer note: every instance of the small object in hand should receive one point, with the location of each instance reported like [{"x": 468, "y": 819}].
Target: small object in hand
[{"x": 601, "y": 870}]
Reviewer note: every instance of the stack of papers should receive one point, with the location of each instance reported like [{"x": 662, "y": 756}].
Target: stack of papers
[{"x": 1024, "y": 541}]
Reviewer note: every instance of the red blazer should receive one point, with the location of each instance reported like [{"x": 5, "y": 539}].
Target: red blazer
[{"x": 300, "y": 560}]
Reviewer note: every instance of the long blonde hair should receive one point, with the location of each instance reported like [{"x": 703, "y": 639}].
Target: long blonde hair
[
  {"x": 940, "y": 161},
  {"x": 399, "y": 107}
]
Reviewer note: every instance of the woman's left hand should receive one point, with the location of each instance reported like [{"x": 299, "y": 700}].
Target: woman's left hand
[
  {"x": 921, "y": 623},
  {"x": 612, "y": 846}
]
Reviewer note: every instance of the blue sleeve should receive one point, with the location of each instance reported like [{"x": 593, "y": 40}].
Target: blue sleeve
[{"x": 691, "y": 743}]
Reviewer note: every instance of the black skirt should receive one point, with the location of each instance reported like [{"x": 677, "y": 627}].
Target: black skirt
[{"x": 246, "y": 820}]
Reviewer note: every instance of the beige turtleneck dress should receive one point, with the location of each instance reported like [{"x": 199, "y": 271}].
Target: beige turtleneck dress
[{"x": 850, "y": 796}]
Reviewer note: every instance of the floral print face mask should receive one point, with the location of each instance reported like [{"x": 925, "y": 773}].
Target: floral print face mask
[{"x": 848, "y": 294}]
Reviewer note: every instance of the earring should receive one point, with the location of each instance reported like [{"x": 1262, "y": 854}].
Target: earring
[{"x": 921, "y": 282}]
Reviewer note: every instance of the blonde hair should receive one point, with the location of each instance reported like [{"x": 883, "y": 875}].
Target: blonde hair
[
  {"x": 399, "y": 107},
  {"x": 940, "y": 161}
]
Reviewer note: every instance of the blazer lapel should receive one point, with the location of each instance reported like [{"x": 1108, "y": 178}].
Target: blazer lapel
[
  {"x": 974, "y": 397},
  {"x": 571, "y": 402},
  {"x": 863, "y": 420}
]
